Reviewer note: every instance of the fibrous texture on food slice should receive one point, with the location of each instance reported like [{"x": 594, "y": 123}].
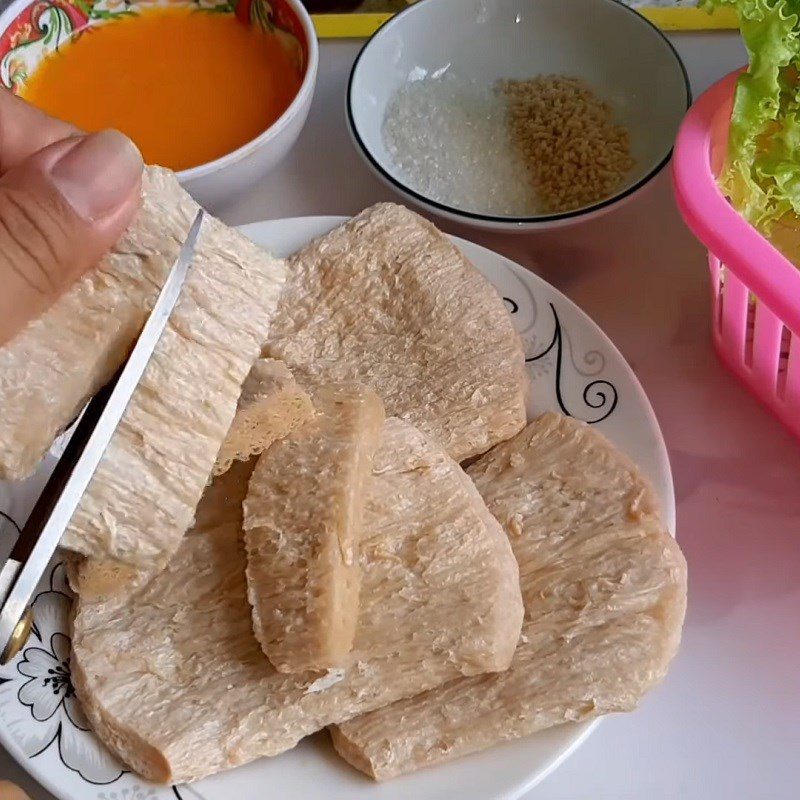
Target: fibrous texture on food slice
[
  {"x": 271, "y": 404},
  {"x": 302, "y": 525},
  {"x": 388, "y": 301},
  {"x": 176, "y": 684},
  {"x": 143, "y": 494},
  {"x": 50, "y": 369},
  {"x": 104, "y": 579},
  {"x": 110, "y": 582},
  {"x": 604, "y": 586}
]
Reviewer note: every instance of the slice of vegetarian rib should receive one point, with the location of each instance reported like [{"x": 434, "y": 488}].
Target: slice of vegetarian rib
[
  {"x": 388, "y": 301},
  {"x": 604, "y": 586},
  {"x": 271, "y": 404},
  {"x": 175, "y": 683},
  {"x": 302, "y": 527},
  {"x": 51, "y": 368},
  {"x": 143, "y": 494}
]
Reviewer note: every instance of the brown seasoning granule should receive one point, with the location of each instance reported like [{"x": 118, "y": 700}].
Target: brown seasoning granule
[{"x": 573, "y": 152}]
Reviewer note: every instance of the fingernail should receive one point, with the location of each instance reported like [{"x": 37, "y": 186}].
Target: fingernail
[{"x": 97, "y": 175}]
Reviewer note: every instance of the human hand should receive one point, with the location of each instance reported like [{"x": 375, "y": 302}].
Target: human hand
[
  {"x": 65, "y": 199},
  {"x": 10, "y": 792}
]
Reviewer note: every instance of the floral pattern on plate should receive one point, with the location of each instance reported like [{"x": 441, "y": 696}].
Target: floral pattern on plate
[{"x": 39, "y": 706}]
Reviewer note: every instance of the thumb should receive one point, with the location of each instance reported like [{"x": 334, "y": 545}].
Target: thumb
[{"x": 61, "y": 210}]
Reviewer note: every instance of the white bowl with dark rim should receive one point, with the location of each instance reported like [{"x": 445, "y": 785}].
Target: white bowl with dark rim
[
  {"x": 627, "y": 61},
  {"x": 31, "y": 29}
]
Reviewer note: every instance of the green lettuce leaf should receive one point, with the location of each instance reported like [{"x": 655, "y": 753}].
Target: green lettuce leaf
[{"x": 762, "y": 172}]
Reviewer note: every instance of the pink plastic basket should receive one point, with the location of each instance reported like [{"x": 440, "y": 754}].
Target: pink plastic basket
[{"x": 755, "y": 290}]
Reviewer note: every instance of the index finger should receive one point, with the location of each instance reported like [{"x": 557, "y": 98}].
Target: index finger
[{"x": 24, "y": 130}]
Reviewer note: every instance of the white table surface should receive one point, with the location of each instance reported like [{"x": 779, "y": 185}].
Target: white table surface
[{"x": 726, "y": 722}]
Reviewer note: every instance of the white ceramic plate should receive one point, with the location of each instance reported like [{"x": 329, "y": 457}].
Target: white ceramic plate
[{"x": 574, "y": 368}]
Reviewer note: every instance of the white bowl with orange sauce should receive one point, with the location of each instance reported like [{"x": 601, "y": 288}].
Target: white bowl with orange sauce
[{"x": 216, "y": 90}]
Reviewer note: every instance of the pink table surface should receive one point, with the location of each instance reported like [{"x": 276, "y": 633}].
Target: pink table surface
[{"x": 726, "y": 722}]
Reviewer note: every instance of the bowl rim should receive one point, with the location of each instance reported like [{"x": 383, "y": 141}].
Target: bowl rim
[
  {"x": 301, "y": 98},
  {"x": 494, "y": 218}
]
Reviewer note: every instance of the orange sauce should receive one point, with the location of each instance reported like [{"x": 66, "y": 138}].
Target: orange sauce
[{"x": 187, "y": 86}]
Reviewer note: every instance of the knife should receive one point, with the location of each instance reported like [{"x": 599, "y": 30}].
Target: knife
[{"x": 61, "y": 495}]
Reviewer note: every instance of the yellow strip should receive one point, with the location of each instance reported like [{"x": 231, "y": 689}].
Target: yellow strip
[
  {"x": 361, "y": 26},
  {"x": 343, "y": 26},
  {"x": 691, "y": 19}
]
